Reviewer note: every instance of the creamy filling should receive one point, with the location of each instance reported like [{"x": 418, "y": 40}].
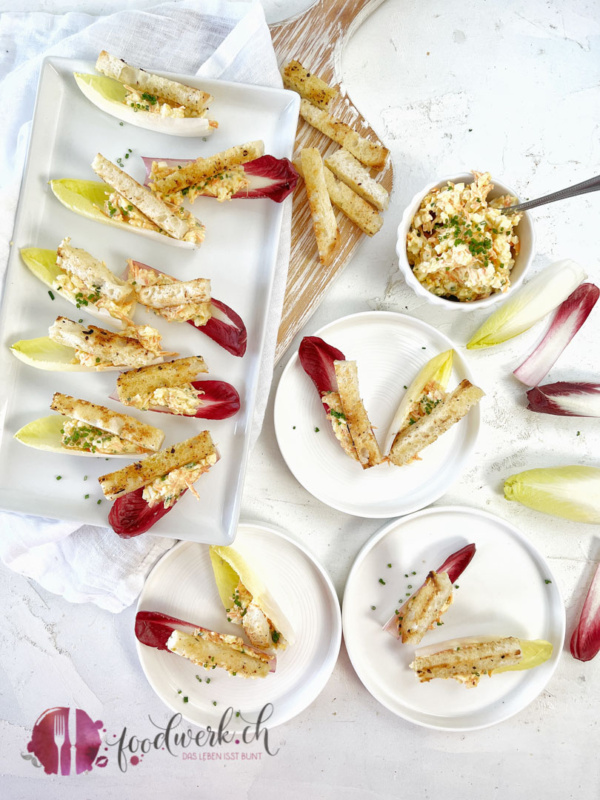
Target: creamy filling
[
  {"x": 77, "y": 435},
  {"x": 144, "y": 101},
  {"x": 82, "y": 295},
  {"x": 168, "y": 488},
  {"x": 333, "y": 406},
  {"x": 433, "y": 395},
  {"x": 222, "y": 186},
  {"x": 245, "y": 612},
  {"x": 184, "y": 400}
]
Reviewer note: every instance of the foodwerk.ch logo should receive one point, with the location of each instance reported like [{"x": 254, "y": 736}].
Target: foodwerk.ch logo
[{"x": 67, "y": 741}]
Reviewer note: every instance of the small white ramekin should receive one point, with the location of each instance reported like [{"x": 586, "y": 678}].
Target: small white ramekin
[{"x": 524, "y": 230}]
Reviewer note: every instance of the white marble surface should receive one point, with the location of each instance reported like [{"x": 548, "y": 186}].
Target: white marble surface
[{"x": 508, "y": 87}]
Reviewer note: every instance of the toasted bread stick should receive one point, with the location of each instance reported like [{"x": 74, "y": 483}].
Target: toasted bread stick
[
  {"x": 359, "y": 425},
  {"x": 414, "y": 438},
  {"x": 369, "y": 153},
  {"x": 323, "y": 218}
]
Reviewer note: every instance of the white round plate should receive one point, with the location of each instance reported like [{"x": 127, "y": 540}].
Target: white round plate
[
  {"x": 507, "y": 590},
  {"x": 389, "y": 349},
  {"x": 182, "y": 585}
]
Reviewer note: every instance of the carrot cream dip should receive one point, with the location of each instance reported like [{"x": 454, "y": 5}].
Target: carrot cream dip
[{"x": 459, "y": 245}]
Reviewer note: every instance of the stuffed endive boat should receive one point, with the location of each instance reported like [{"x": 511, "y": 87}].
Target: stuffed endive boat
[
  {"x": 171, "y": 388},
  {"x": 425, "y": 607},
  {"x": 119, "y": 200},
  {"x": 146, "y": 100},
  {"x": 82, "y": 428},
  {"x": 74, "y": 347},
  {"x": 427, "y": 411},
  {"x": 204, "y": 648},
  {"x": 248, "y": 602},
  {"x": 83, "y": 280},
  {"x": 466, "y": 660},
  {"x": 188, "y": 301}
]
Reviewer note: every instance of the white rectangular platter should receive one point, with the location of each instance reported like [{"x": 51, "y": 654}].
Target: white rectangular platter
[{"x": 238, "y": 255}]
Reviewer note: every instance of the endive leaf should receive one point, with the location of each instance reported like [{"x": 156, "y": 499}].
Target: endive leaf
[
  {"x": 109, "y": 95},
  {"x": 43, "y": 353},
  {"x": 457, "y": 563},
  {"x": 84, "y": 197},
  {"x": 529, "y": 304},
  {"x": 564, "y": 399},
  {"x": 46, "y": 434},
  {"x": 317, "y": 357},
  {"x": 535, "y": 652},
  {"x": 585, "y": 641},
  {"x": 226, "y": 577},
  {"x": 87, "y": 198},
  {"x": 438, "y": 369},
  {"x": 569, "y": 318},
  {"x": 572, "y": 492},
  {"x": 130, "y": 515},
  {"x": 42, "y": 263}
]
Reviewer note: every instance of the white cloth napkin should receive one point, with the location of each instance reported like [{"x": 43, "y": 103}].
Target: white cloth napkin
[{"x": 228, "y": 40}]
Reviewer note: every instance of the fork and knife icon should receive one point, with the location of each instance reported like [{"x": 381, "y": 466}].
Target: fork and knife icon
[{"x": 60, "y": 723}]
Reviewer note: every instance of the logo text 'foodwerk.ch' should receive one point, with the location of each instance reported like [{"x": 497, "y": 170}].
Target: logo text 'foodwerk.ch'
[{"x": 66, "y": 741}]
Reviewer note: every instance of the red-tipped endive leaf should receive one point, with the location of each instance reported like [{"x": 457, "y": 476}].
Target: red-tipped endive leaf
[
  {"x": 317, "y": 357},
  {"x": 131, "y": 515},
  {"x": 585, "y": 641},
  {"x": 454, "y": 565},
  {"x": 154, "y": 629},
  {"x": 269, "y": 177},
  {"x": 225, "y": 327},
  {"x": 569, "y": 317},
  {"x": 564, "y": 399},
  {"x": 220, "y": 400}
]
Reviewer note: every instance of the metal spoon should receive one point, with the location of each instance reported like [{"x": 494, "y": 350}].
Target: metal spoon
[{"x": 591, "y": 185}]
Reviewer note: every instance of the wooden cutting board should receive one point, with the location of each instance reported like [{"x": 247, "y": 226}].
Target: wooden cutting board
[{"x": 317, "y": 39}]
